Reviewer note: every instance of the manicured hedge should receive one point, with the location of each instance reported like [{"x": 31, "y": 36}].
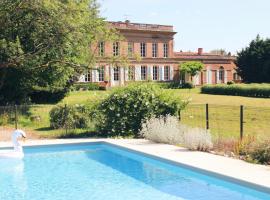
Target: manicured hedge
[
  {"x": 247, "y": 90},
  {"x": 86, "y": 86}
]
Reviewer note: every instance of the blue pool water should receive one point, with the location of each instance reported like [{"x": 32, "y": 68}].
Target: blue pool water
[{"x": 104, "y": 172}]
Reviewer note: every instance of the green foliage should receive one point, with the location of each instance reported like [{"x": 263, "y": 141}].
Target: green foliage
[
  {"x": 253, "y": 62},
  {"x": 44, "y": 43},
  {"x": 48, "y": 96},
  {"x": 187, "y": 85},
  {"x": 247, "y": 90},
  {"x": 75, "y": 116},
  {"x": 191, "y": 67},
  {"x": 86, "y": 86},
  {"x": 261, "y": 153},
  {"x": 124, "y": 111}
]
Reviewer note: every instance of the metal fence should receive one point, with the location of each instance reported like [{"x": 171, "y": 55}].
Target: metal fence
[
  {"x": 222, "y": 121},
  {"x": 228, "y": 121}
]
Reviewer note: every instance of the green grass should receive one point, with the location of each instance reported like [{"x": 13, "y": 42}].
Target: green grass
[{"x": 223, "y": 113}]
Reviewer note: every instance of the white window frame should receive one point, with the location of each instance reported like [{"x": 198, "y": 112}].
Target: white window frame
[
  {"x": 166, "y": 73},
  {"x": 154, "y": 50},
  {"x": 88, "y": 76},
  {"x": 131, "y": 73},
  {"x": 143, "y": 49},
  {"x": 116, "y": 73},
  {"x": 165, "y": 50},
  {"x": 116, "y": 48},
  {"x": 130, "y": 49},
  {"x": 101, "y": 48},
  {"x": 155, "y": 73},
  {"x": 221, "y": 74},
  {"x": 101, "y": 73},
  {"x": 143, "y": 72}
]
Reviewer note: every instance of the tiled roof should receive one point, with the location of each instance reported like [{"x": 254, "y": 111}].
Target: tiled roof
[
  {"x": 144, "y": 27},
  {"x": 203, "y": 56}
]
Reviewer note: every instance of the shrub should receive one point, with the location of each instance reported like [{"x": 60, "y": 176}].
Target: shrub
[
  {"x": 47, "y": 96},
  {"x": 69, "y": 117},
  {"x": 169, "y": 130},
  {"x": 248, "y": 90},
  {"x": 197, "y": 139},
  {"x": 86, "y": 86},
  {"x": 187, "y": 85},
  {"x": 258, "y": 152},
  {"x": 261, "y": 153},
  {"x": 163, "y": 130},
  {"x": 124, "y": 111}
]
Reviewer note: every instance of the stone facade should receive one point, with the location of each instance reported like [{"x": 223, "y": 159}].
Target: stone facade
[{"x": 150, "y": 52}]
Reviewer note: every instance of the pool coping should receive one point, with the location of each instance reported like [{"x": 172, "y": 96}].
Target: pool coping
[{"x": 174, "y": 155}]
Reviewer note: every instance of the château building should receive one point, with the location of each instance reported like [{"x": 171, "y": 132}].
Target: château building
[{"x": 151, "y": 56}]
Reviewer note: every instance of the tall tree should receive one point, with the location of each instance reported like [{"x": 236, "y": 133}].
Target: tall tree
[
  {"x": 253, "y": 62},
  {"x": 43, "y": 43}
]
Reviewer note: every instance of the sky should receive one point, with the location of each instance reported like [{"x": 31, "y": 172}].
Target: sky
[{"x": 209, "y": 24}]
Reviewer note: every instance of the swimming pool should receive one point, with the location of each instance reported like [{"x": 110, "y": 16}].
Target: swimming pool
[{"x": 101, "y": 171}]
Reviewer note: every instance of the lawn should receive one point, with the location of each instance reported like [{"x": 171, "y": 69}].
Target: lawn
[{"x": 224, "y": 112}]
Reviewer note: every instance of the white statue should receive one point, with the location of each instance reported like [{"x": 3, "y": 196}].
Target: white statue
[{"x": 17, "y": 152}]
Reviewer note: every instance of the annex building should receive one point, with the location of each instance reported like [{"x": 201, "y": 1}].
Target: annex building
[{"x": 151, "y": 57}]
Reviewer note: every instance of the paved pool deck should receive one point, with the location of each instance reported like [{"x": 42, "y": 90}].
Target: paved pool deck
[{"x": 238, "y": 171}]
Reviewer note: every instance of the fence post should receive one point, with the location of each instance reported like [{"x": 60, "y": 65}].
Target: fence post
[
  {"x": 66, "y": 119},
  {"x": 241, "y": 122},
  {"x": 179, "y": 115},
  {"x": 207, "y": 116},
  {"x": 16, "y": 116}
]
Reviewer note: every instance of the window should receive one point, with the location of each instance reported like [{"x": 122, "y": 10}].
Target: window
[
  {"x": 131, "y": 73},
  {"x": 221, "y": 74},
  {"x": 88, "y": 76},
  {"x": 165, "y": 50},
  {"x": 143, "y": 49},
  {"x": 116, "y": 71},
  {"x": 167, "y": 73},
  {"x": 101, "y": 73},
  {"x": 101, "y": 48},
  {"x": 155, "y": 73},
  {"x": 154, "y": 50},
  {"x": 116, "y": 49},
  {"x": 143, "y": 72},
  {"x": 236, "y": 77},
  {"x": 130, "y": 49}
]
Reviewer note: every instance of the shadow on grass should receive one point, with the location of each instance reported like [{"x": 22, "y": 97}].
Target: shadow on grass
[{"x": 48, "y": 132}]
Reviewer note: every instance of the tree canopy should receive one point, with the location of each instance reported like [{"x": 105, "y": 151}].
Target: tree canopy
[
  {"x": 253, "y": 62},
  {"x": 44, "y": 43},
  {"x": 191, "y": 67}
]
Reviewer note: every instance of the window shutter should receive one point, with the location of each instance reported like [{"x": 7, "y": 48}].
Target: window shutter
[
  {"x": 106, "y": 73},
  {"x": 137, "y": 73},
  {"x": 217, "y": 76},
  {"x": 161, "y": 73},
  {"x": 171, "y": 72},
  {"x": 93, "y": 75},
  {"x": 111, "y": 74},
  {"x": 225, "y": 76},
  {"x": 210, "y": 77},
  {"x": 150, "y": 72},
  {"x": 81, "y": 78},
  {"x": 126, "y": 73}
]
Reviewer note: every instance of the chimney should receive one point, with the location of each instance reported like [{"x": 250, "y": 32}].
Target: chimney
[{"x": 200, "y": 51}]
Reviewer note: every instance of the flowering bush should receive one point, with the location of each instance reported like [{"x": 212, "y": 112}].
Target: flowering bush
[
  {"x": 126, "y": 109},
  {"x": 163, "y": 130},
  {"x": 197, "y": 139},
  {"x": 69, "y": 117},
  {"x": 170, "y": 131}
]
